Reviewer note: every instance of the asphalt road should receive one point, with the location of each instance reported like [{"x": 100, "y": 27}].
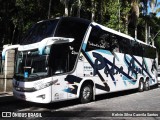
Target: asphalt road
[{"x": 120, "y": 105}]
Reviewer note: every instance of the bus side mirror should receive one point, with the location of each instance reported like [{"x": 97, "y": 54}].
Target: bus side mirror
[
  {"x": 3, "y": 55},
  {"x": 41, "y": 50}
]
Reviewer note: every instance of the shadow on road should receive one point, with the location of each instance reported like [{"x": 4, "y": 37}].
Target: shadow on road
[{"x": 29, "y": 106}]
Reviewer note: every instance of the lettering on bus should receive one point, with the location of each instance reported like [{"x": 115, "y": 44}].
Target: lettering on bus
[
  {"x": 104, "y": 64},
  {"x": 133, "y": 70},
  {"x": 97, "y": 45}
]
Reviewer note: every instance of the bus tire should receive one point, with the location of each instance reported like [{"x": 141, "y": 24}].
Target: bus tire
[
  {"x": 141, "y": 86},
  {"x": 86, "y": 93},
  {"x": 146, "y": 85}
]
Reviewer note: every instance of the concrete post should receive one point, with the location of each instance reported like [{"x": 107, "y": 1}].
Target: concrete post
[{"x": 8, "y": 67}]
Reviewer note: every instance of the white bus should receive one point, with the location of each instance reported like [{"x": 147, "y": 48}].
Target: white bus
[{"x": 69, "y": 58}]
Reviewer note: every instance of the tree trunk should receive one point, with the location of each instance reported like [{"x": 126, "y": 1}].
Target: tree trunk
[
  {"x": 126, "y": 24},
  {"x": 135, "y": 32},
  {"x": 79, "y": 9},
  {"x": 93, "y": 10},
  {"x": 66, "y": 8},
  {"x": 49, "y": 9},
  {"x": 146, "y": 36},
  {"x": 100, "y": 11}
]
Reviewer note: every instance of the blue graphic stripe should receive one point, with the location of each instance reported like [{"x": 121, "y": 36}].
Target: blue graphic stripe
[
  {"x": 84, "y": 46},
  {"x": 127, "y": 59},
  {"x": 104, "y": 51},
  {"x": 125, "y": 74},
  {"x": 100, "y": 76},
  {"x": 141, "y": 66}
]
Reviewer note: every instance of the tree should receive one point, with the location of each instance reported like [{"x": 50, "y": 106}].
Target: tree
[
  {"x": 125, "y": 14},
  {"x": 145, "y": 17},
  {"x": 112, "y": 11},
  {"x": 7, "y": 9},
  {"x": 153, "y": 4},
  {"x": 66, "y": 4},
  {"x": 19, "y": 15},
  {"x": 135, "y": 14},
  {"x": 75, "y": 5},
  {"x": 49, "y": 8},
  {"x": 158, "y": 9}
]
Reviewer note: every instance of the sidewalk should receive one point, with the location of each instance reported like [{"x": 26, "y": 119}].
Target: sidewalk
[{"x": 6, "y": 97}]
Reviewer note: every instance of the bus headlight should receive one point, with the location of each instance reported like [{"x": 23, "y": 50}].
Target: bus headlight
[{"x": 44, "y": 85}]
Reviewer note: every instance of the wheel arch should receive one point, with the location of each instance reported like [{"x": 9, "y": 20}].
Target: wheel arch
[
  {"x": 87, "y": 81},
  {"x": 147, "y": 78},
  {"x": 141, "y": 84},
  {"x": 141, "y": 79}
]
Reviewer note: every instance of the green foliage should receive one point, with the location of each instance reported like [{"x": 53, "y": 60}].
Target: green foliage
[
  {"x": 113, "y": 12},
  {"x": 125, "y": 13},
  {"x": 19, "y": 15}
]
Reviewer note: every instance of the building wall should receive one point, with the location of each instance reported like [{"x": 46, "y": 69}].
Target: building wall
[{"x": 7, "y": 67}]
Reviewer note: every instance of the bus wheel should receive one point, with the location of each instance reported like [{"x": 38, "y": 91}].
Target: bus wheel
[
  {"x": 141, "y": 86},
  {"x": 146, "y": 85},
  {"x": 86, "y": 93}
]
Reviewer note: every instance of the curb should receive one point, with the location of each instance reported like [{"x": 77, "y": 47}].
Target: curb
[{"x": 6, "y": 97}]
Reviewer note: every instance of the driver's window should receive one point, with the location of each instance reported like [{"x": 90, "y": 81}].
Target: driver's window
[{"x": 61, "y": 59}]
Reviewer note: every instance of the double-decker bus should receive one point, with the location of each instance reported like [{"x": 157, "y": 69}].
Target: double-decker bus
[{"x": 69, "y": 58}]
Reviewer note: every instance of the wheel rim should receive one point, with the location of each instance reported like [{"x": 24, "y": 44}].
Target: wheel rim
[{"x": 86, "y": 93}]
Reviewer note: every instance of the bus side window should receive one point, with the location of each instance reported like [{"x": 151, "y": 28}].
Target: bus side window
[
  {"x": 105, "y": 41},
  {"x": 98, "y": 39},
  {"x": 114, "y": 43}
]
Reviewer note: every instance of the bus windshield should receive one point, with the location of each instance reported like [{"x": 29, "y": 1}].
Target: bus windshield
[
  {"x": 60, "y": 58},
  {"x": 40, "y": 31},
  {"x": 29, "y": 64}
]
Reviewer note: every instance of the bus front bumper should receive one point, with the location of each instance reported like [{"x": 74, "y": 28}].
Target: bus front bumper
[{"x": 40, "y": 96}]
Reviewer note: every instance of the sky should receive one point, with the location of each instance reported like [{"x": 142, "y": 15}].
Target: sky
[
  {"x": 149, "y": 9},
  {"x": 158, "y": 7}
]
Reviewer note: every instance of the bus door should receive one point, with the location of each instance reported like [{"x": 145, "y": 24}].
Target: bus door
[{"x": 61, "y": 63}]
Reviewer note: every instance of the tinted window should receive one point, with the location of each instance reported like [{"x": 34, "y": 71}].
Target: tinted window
[
  {"x": 149, "y": 51},
  {"x": 61, "y": 59},
  {"x": 100, "y": 39},
  {"x": 63, "y": 56},
  {"x": 125, "y": 45},
  {"x": 40, "y": 31},
  {"x": 72, "y": 28}
]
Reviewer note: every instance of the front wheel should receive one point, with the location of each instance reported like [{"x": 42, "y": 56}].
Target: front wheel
[{"x": 86, "y": 93}]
